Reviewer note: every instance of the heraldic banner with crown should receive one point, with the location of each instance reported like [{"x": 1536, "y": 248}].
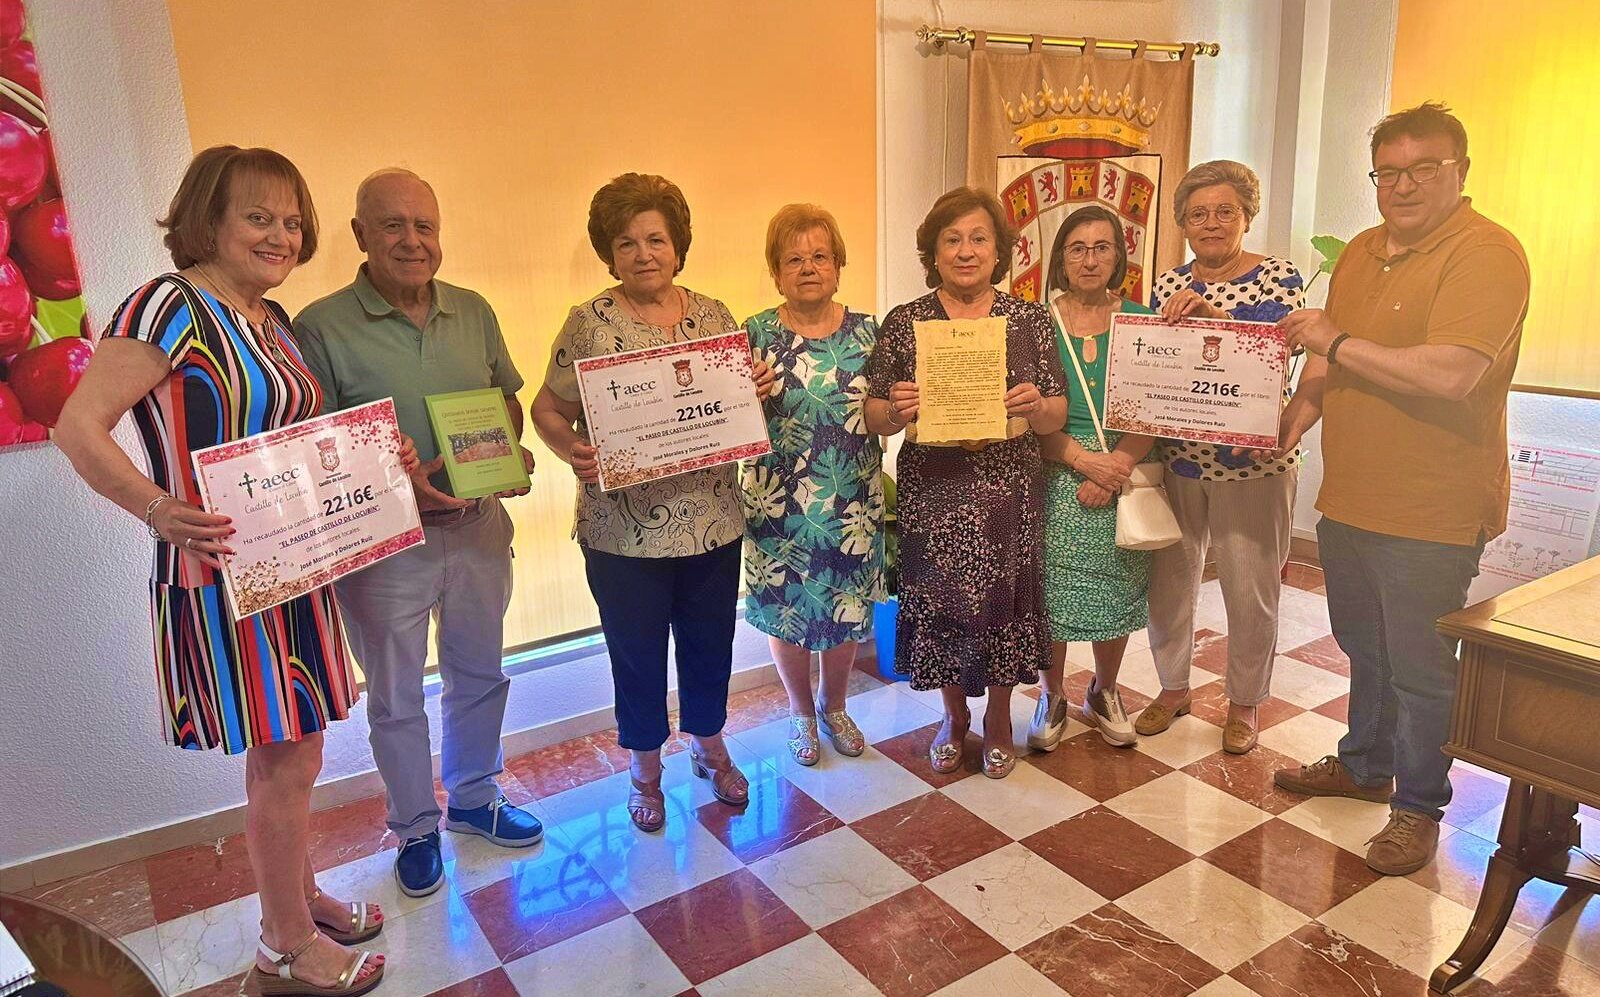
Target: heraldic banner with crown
[{"x": 1119, "y": 121}]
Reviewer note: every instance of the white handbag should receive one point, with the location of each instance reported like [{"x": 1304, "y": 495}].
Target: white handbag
[{"x": 1144, "y": 513}]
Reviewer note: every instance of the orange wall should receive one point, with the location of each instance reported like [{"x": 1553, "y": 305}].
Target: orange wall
[
  {"x": 516, "y": 112},
  {"x": 1524, "y": 86}
]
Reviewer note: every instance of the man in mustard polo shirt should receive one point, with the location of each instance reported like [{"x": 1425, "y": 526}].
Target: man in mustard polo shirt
[
  {"x": 1411, "y": 363},
  {"x": 397, "y": 331}
]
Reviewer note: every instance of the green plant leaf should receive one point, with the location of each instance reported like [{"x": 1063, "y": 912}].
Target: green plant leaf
[
  {"x": 1330, "y": 246},
  {"x": 60, "y": 318}
]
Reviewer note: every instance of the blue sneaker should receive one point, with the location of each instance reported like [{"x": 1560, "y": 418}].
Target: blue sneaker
[
  {"x": 419, "y": 867},
  {"x": 500, "y": 822}
]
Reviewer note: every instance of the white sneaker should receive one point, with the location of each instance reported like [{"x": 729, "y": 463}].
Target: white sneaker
[
  {"x": 1049, "y": 721},
  {"x": 1102, "y": 710}
]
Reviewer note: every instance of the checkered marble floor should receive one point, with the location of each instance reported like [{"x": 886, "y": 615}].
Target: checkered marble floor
[{"x": 1167, "y": 869}]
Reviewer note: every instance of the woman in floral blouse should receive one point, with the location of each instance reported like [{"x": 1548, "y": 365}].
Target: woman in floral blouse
[
  {"x": 1226, "y": 500},
  {"x": 662, "y": 556},
  {"x": 814, "y": 506}
]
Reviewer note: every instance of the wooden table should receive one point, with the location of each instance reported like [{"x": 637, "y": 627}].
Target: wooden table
[
  {"x": 72, "y": 954},
  {"x": 1528, "y": 707}
]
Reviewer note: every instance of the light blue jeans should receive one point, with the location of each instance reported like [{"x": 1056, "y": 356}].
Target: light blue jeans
[{"x": 1384, "y": 596}]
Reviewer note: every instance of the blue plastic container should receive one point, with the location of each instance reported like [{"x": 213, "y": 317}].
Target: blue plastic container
[{"x": 884, "y": 615}]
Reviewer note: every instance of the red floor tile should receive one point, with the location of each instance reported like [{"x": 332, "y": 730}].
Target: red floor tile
[
  {"x": 1306, "y": 872},
  {"x": 1336, "y": 709},
  {"x": 1109, "y": 951},
  {"x": 1303, "y": 577},
  {"x": 494, "y": 983},
  {"x": 911, "y": 751},
  {"x": 1211, "y": 651},
  {"x": 778, "y": 816},
  {"x": 542, "y": 903},
  {"x": 754, "y": 707},
  {"x": 1096, "y": 769},
  {"x": 930, "y": 834},
  {"x": 912, "y": 943},
  {"x": 1248, "y": 777},
  {"x": 1324, "y": 652},
  {"x": 721, "y": 924},
  {"x": 115, "y": 900},
  {"x": 1106, "y": 851},
  {"x": 1317, "y": 961},
  {"x": 559, "y": 767},
  {"x": 349, "y": 832},
  {"x": 1210, "y": 703},
  {"x": 185, "y": 880}
]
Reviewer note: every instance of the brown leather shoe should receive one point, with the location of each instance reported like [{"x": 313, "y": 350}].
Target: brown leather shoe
[
  {"x": 1238, "y": 737},
  {"x": 1329, "y": 777},
  {"x": 1405, "y": 844},
  {"x": 1155, "y": 718}
]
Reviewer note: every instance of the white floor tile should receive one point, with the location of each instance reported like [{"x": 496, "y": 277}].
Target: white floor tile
[
  {"x": 831, "y": 876},
  {"x": 431, "y": 949},
  {"x": 1345, "y": 822},
  {"x": 1005, "y": 977},
  {"x": 1306, "y": 685},
  {"x": 1294, "y": 633},
  {"x": 885, "y": 712},
  {"x": 1221, "y": 919},
  {"x": 1304, "y": 607},
  {"x": 146, "y": 946},
  {"x": 1139, "y": 673},
  {"x": 619, "y": 957},
  {"x": 472, "y": 863},
  {"x": 1014, "y": 895},
  {"x": 1410, "y": 925},
  {"x": 1225, "y": 986},
  {"x": 1023, "y": 802},
  {"x": 372, "y": 879},
  {"x": 866, "y": 785},
  {"x": 643, "y": 868},
  {"x": 1187, "y": 812},
  {"x": 209, "y": 945},
  {"x": 1189, "y": 739},
  {"x": 1306, "y": 737},
  {"x": 806, "y": 966}
]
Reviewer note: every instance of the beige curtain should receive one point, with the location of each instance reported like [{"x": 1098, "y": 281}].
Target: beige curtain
[{"x": 1086, "y": 107}]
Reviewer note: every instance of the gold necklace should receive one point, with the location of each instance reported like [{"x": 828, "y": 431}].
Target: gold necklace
[
  {"x": 681, "y": 299},
  {"x": 263, "y": 337}
]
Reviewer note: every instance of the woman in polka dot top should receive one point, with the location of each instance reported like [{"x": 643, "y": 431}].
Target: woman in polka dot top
[{"x": 1223, "y": 500}]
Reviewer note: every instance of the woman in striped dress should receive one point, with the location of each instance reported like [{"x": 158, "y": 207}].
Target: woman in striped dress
[{"x": 201, "y": 358}]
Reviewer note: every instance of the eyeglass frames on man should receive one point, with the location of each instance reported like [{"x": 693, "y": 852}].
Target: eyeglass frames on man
[{"x": 1420, "y": 173}]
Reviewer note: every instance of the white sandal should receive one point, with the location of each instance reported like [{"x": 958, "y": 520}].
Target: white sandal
[
  {"x": 804, "y": 744},
  {"x": 284, "y": 983}
]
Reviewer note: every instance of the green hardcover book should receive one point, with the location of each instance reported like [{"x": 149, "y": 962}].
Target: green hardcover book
[{"x": 473, "y": 430}]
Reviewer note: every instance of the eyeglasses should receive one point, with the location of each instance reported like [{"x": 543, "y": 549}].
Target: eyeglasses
[
  {"x": 818, "y": 260},
  {"x": 1420, "y": 173},
  {"x": 1226, "y": 214},
  {"x": 1078, "y": 250}
]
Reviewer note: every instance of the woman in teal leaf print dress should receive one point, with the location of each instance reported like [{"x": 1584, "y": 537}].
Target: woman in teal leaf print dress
[{"x": 813, "y": 561}]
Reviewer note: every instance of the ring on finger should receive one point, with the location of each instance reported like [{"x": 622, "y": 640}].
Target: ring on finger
[{"x": 188, "y": 543}]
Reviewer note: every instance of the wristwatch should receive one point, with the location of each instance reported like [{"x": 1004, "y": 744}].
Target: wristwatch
[{"x": 1333, "y": 347}]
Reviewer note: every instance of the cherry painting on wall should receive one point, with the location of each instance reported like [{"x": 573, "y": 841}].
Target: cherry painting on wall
[{"x": 44, "y": 342}]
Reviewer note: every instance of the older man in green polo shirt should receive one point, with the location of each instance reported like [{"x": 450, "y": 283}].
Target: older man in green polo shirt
[{"x": 397, "y": 331}]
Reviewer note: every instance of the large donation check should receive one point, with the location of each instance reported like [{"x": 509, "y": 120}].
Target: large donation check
[
  {"x": 1208, "y": 380},
  {"x": 664, "y": 410},
  {"x": 311, "y": 502}
]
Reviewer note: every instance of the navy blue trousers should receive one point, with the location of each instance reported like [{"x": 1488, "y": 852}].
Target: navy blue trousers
[{"x": 641, "y": 600}]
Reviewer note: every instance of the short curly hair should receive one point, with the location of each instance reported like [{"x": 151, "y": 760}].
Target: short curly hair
[
  {"x": 794, "y": 220},
  {"x": 1240, "y": 177},
  {"x": 203, "y": 193},
  {"x": 629, "y": 195},
  {"x": 952, "y": 205}
]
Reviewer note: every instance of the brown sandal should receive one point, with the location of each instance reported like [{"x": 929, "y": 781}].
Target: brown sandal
[
  {"x": 284, "y": 983},
  {"x": 647, "y": 807},
  {"x": 362, "y": 928}
]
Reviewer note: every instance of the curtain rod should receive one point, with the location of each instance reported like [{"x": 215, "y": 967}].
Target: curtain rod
[{"x": 937, "y": 37}]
